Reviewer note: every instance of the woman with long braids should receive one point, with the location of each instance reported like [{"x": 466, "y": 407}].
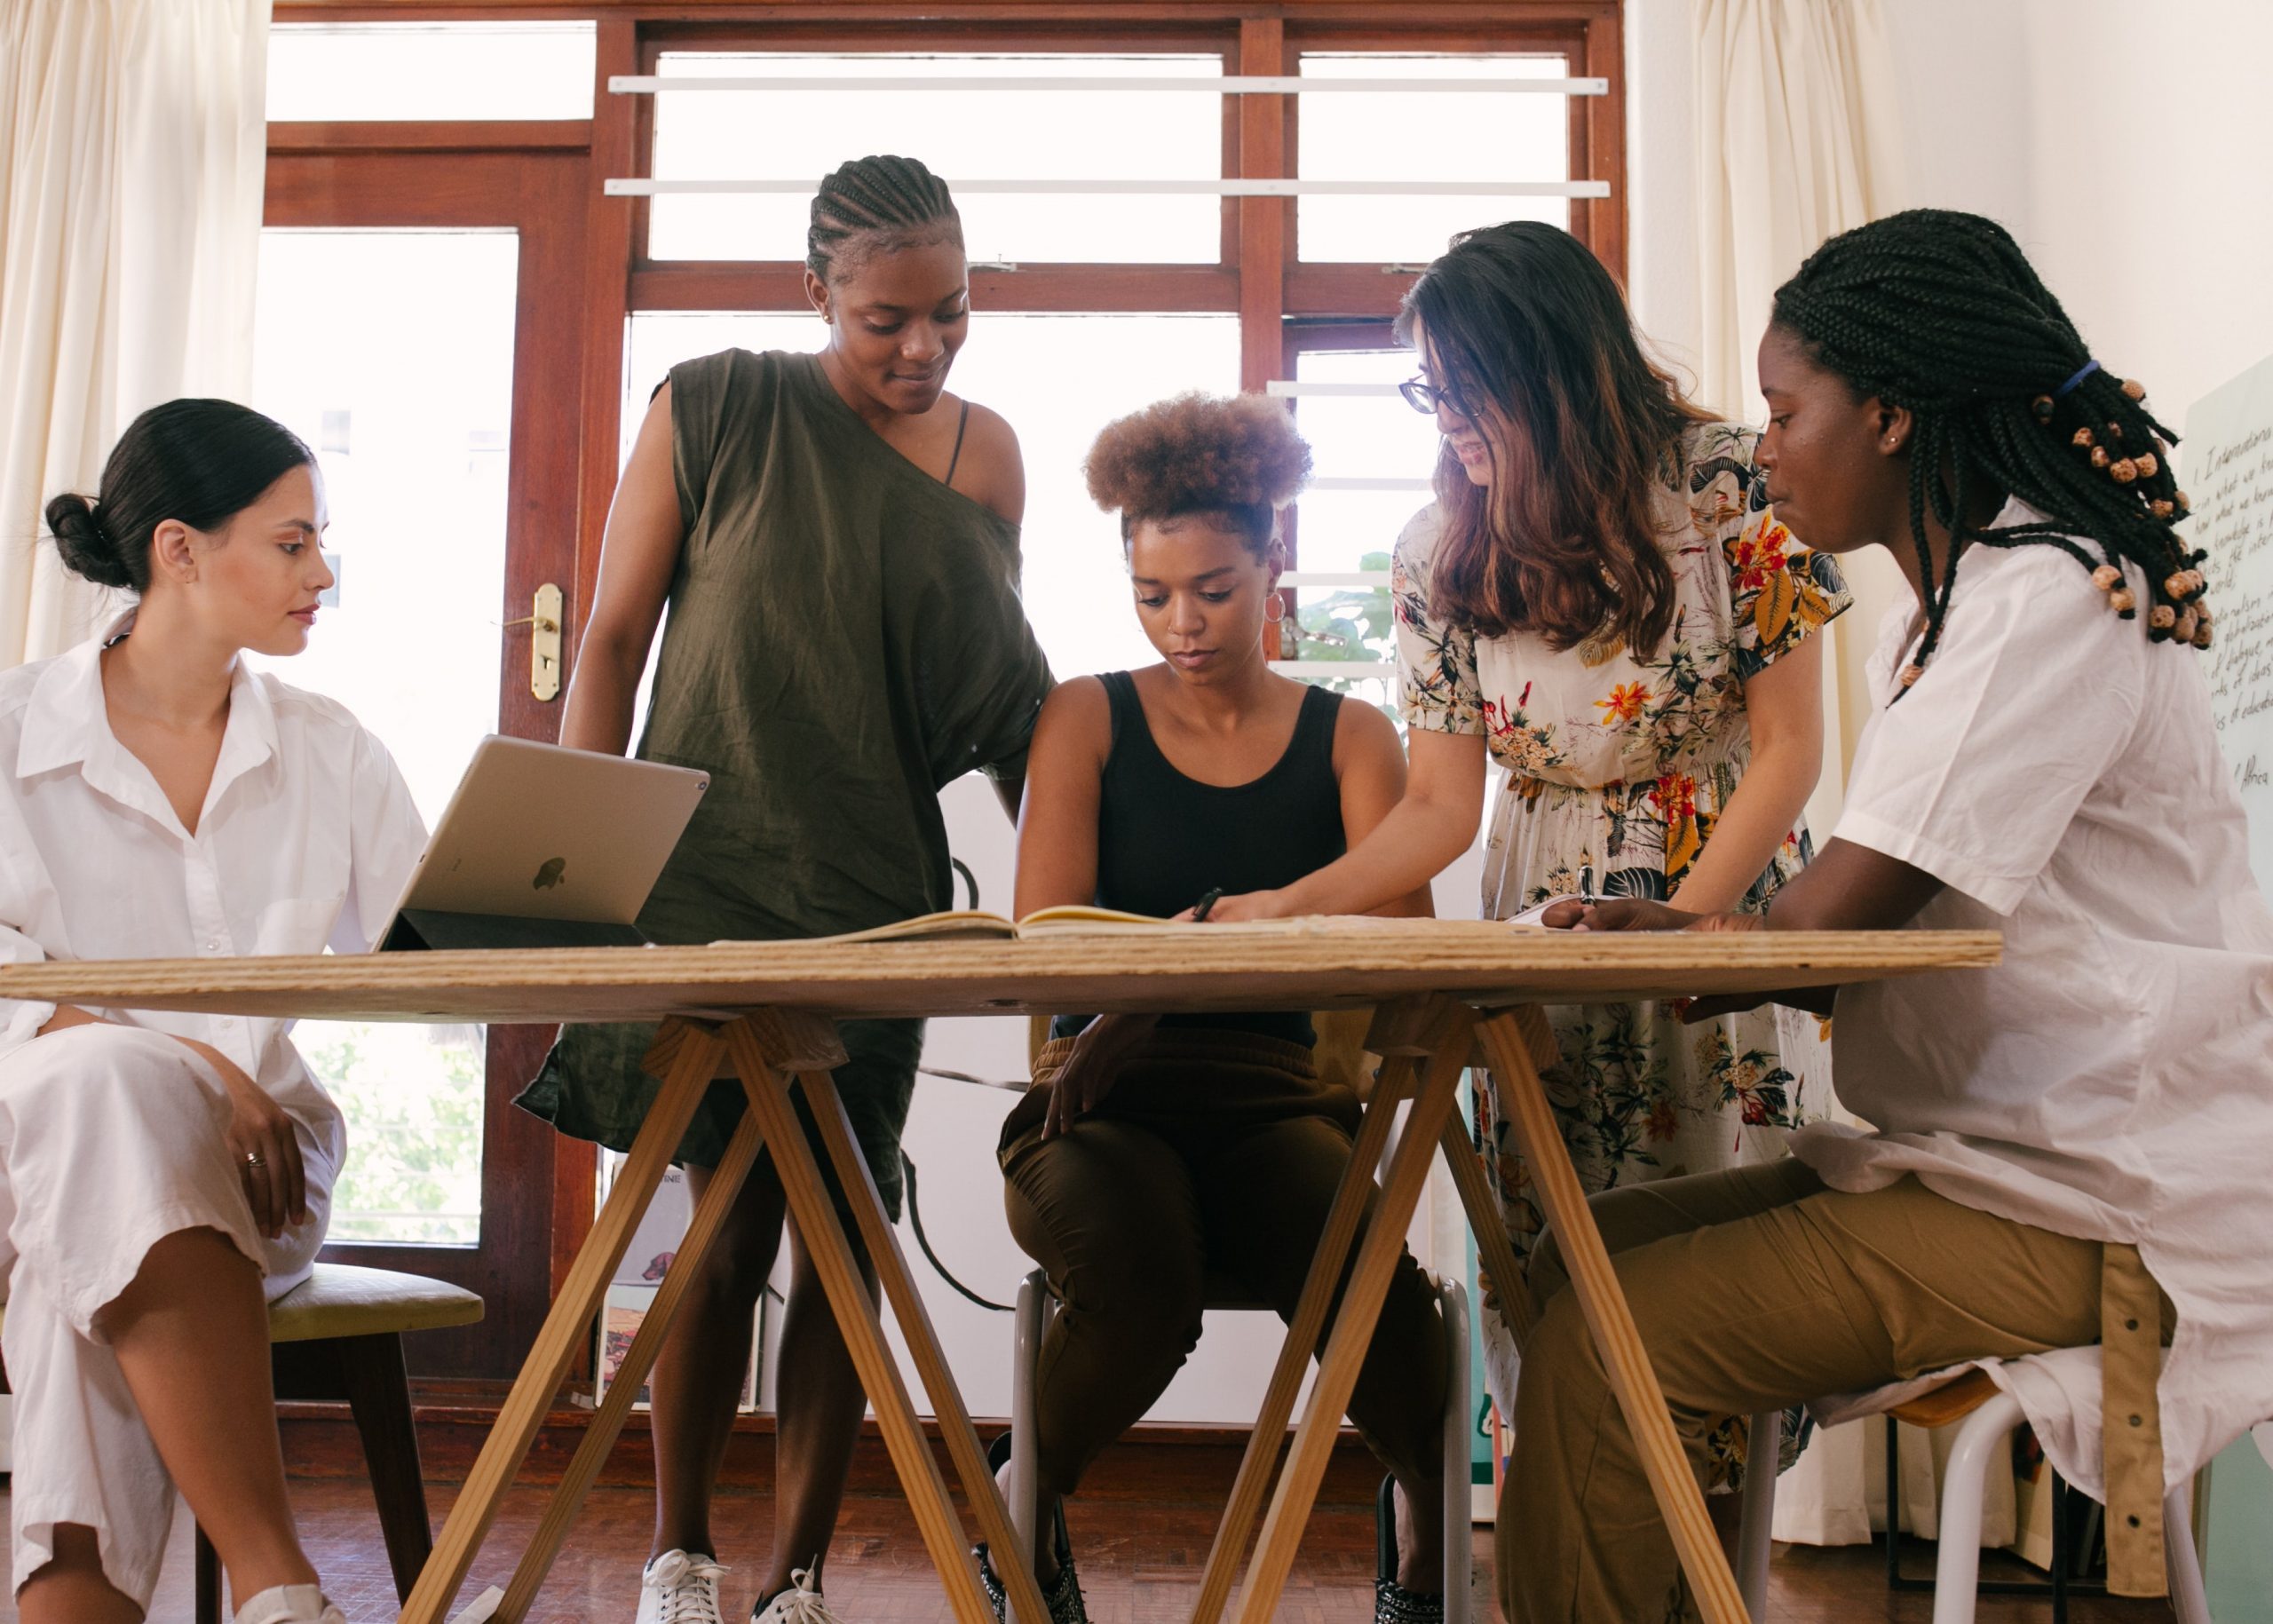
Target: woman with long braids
[
  {"x": 836, "y": 538},
  {"x": 1599, "y": 601},
  {"x": 2067, "y": 1149}
]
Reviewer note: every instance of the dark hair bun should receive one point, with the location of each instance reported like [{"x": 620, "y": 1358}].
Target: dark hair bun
[
  {"x": 1194, "y": 453},
  {"x": 87, "y": 551},
  {"x": 198, "y": 461}
]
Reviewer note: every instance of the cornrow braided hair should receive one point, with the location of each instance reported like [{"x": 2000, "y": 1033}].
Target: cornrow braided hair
[
  {"x": 895, "y": 201},
  {"x": 1941, "y": 313}
]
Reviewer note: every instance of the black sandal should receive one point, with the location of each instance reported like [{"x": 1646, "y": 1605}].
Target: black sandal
[
  {"x": 1063, "y": 1598},
  {"x": 1393, "y": 1603}
]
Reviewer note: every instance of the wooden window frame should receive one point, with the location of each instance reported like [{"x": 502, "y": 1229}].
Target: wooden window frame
[{"x": 1258, "y": 275}]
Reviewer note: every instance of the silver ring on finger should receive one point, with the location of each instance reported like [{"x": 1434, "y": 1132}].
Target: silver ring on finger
[{"x": 254, "y": 1159}]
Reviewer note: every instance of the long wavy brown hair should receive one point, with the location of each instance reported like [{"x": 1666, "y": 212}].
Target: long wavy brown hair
[{"x": 1532, "y": 337}]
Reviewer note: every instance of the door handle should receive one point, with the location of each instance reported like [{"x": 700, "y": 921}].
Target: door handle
[{"x": 544, "y": 642}]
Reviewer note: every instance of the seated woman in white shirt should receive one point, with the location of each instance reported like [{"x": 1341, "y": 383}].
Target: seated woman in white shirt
[
  {"x": 2041, "y": 761},
  {"x": 162, "y": 1176}
]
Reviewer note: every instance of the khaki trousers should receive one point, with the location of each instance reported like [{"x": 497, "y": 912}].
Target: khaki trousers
[{"x": 1754, "y": 1289}]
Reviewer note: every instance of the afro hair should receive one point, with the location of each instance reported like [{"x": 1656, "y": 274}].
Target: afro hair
[{"x": 1198, "y": 453}]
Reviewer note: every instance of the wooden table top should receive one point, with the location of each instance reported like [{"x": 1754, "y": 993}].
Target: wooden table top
[{"x": 1326, "y": 965}]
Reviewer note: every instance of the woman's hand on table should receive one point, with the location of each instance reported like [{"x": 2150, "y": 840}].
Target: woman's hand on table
[
  {"x": 276, "y": 1183},
  {"x": 1623, "y": 914},
  {"x": 1090, "y": 1071},
  {"x": 1240, "y": 909}
]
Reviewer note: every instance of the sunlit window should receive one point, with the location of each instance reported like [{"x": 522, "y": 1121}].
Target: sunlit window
[
  {"x": 961, "y": 135},
  {"x": 1423, "y": 135},
  {"x": 430, "y": 70},
  {"x": 409, "y": 408}
]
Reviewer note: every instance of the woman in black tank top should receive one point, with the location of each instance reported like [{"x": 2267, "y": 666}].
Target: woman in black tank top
[{"x": 1159, "y": 1157}]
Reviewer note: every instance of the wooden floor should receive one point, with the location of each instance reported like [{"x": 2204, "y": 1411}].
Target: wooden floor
[{"x": 1140, "y": 1564}]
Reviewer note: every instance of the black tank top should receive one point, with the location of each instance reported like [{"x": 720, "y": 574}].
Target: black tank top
[{"x": 1165, "y": 840}]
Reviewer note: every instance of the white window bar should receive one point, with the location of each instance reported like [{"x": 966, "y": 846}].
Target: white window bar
[
  {"x": 1358, "y": 669},
  {"x": 1372, "y": 484},
  {"x": 1228, "y": 84},
  {"x": 1335, "y": 577},
  {"x": 1207, "y": 188},
  {"x": 1282, "y": 387}
]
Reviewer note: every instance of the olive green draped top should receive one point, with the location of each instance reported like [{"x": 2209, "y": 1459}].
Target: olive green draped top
[{"x": 844, "y": 639}]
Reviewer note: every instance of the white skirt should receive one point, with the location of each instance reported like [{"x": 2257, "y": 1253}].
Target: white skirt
[{"x": 111, "y": 1139}]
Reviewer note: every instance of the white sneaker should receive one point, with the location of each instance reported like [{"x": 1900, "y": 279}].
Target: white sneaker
[
  {"x": 680, "y": 1587},
  {"x": 290, "y": 1604},
  {"x": 800, "y": 1603}
]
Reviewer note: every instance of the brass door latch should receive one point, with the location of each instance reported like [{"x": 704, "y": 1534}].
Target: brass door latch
[{"x": 544, "y": 642}]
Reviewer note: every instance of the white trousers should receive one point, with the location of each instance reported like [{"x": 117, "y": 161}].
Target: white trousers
[{"x": 111, "y": 1139}]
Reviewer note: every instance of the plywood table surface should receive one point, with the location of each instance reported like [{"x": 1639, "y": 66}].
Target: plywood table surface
[
  {"x": 1186, "y": 968},
  {"x": 1447, "y": 995}
]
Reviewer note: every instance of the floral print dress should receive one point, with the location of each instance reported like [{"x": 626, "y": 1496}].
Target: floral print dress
[{"x": 1618, "y": 763}]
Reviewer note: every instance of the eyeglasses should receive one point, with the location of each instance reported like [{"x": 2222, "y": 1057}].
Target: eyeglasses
[{"x": 1426, "y": 398}]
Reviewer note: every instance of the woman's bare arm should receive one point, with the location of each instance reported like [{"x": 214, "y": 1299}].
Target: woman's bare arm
[
  {"x": 638, "y": 555},
  {"x": 1369, "y": 763},
  {"x": 1783, "y": 704},
  {"x": 1419, "y": 837}
]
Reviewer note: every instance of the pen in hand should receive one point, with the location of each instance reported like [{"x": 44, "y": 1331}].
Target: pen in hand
[{"x": 1200, "y": 908}]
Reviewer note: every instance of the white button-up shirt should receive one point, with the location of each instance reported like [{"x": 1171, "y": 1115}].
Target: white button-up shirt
[
  {"x": 305, "y": 841},
  {"x": 2112, "y": 1078}
]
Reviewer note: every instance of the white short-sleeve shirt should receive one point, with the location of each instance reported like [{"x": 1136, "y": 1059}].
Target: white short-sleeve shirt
[
  {"x": 2112, "y": 1078},
  {"x": 306, "y": 839}
]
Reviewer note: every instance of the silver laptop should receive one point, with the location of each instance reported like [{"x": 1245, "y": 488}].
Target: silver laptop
[{"x": 541, "y": 846}]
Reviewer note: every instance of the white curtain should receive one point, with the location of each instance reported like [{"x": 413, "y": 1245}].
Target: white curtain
[
  {"x": 1798, "y": 137},
  {"x": 132, "y": 155}
]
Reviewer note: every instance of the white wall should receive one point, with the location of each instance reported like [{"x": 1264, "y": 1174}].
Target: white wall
[
  {"x": 2129, "y": 149},
  {"x": 2151, "y": 146}
]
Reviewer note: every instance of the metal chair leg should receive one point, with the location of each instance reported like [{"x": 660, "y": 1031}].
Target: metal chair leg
[
  {"x": 1032, "y": 1320},
  {"x": 1763, "y": 1448},
  {"x": 1459, "y": 1517},
  {"x": 207, "y": 1581},
  {"x": 1957, "y": 1570},
  {"x": 2188, "y": 1597}
]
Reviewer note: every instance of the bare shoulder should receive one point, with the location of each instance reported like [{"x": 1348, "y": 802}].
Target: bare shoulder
[
  {"x": 993, "y": 470},
  {"x": 1076, "y": 706},
  {"x": 1075, "y": 726},
  {"x": 1363, "y": 733}
]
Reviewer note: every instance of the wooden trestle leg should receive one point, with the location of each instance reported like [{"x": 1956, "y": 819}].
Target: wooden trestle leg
[
  {"x": 1295, "y": 1354},
  {"x": 1361, "y": 1303},
  {"x": 693, "y": 1052},
  {"x": 815, "y": 1215},
  {"x": 1609, "y": 1319},
  {"x": 947, "y": 1406}
]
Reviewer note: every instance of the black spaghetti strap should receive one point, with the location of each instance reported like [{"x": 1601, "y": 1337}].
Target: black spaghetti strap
[{"x": 963, "y": 422}]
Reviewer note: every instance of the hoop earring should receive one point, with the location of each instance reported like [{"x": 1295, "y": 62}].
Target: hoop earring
[{"x": 1279, "y": 603}]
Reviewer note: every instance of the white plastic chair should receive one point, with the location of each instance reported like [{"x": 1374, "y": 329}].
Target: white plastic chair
[
  {"x": 1988, "y": 1416},
  {"x": 1034, "y": 1308}
]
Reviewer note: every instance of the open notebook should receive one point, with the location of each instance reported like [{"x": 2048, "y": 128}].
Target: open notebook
[
  {"x": 1073, "y": 919},
  {"x": 964, "y": 924}
]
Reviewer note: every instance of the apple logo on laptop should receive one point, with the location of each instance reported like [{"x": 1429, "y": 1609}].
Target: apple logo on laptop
[{"x": 555, "y": 870}]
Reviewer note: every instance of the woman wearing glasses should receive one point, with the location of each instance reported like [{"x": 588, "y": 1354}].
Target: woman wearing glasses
[{"x": 1599, "y": 601}]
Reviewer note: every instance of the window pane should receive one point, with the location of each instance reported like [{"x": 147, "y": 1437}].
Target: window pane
[
  {"x": 391, "y": 353},
  {"x": 1358, "y": 437},
  {"x": 961, "y": 135},
  {"x": 1415, "y": 135},
  {"x": 431, "y": 70},
  {"x": 1058, "y": 379}
]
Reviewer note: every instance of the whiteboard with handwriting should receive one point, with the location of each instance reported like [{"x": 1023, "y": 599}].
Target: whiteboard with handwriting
[{"x": 2226, "y": 466}]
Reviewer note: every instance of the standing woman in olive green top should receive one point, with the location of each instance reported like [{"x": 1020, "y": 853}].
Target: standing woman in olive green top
[{"x": 836, "y": 540}]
